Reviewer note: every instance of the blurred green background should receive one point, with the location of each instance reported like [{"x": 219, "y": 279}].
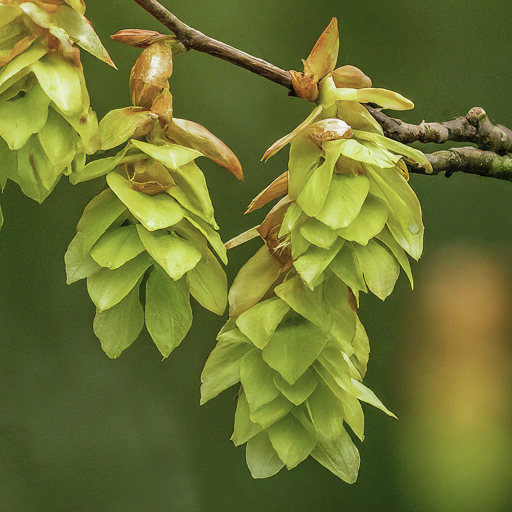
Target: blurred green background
[{"x": 80, "y": 432}]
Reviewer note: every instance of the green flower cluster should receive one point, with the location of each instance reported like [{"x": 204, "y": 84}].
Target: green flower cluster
[
  {"x": 151, "y": 227},
  {"x": 46, "y": 124},
  {"x": 126, "y": 234},
  {"x": 294, "y": 340}
]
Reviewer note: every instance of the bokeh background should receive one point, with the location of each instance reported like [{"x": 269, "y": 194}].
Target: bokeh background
[{"x": 80, "y": 432}]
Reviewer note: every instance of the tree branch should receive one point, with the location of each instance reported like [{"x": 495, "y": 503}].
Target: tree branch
[
  {"x": 494, "y": 142},
  {"x": 193, "y": 39},
  {"x": 468, "y": 160}
]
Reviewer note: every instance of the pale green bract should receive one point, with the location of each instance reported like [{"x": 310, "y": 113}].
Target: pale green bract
[
  {"x": 294, "y": 339},
  {"x": 127, "y": 239},
  {"x": 143, "y": 243},
  {"x": 45, "y": 115}
]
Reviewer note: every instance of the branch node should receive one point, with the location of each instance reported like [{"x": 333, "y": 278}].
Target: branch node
[{"x": 475, "y": 115}]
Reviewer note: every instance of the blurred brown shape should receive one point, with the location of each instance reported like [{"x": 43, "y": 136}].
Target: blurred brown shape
[{"x": 457, "y": 454}]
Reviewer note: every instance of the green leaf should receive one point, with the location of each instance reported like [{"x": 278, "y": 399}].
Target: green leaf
[
  {"x": 396, "y": 147},
  {"x": 58, "y": 140},
  {"x": 301, "y": 389},
  {"x": 20, "y": 66},
  {"x": 271, "y": 412},
  {"x": 335, "y": 295},
  {"x": 299, "y": 243},
  {"x": 262, "y": 459},
  {"x": 368, "y": 396},
  {"x": 23, "y": 116},
  {"x": 404, "y": 219},
  {"x": 192, "y": 192},
  {"x": 306, "y": 302},
  {"x": 326, "y": 411},
  {"x": 231, "y": 333},
  {"x": 314, "y": 261},
  {"x": 261, "y": 320},
  {"x": 347, "y": 267},
  {"x": 168, "y": 311},
  {"x": 153, "y": 212},
  {"x": 293, "y": 348},
  {"x": 291, "y": 216},
  {"x": 118, "y": 327},
  {"x": 340, "y": 456},
  {"x": 36, "y": 175},
  {"x": 208, "y": 283},
  {"x": 98, "y": 215},
  {"x": 98, "y": 168},
  {"x": 318, "y": 233},
  {"x": 170, "y": 155},
  {"x": 382, "y": 97},
  {"x": 253, "y": 281},
  {"x": 211, "y": 235},
  {"x": 108, "y": 287},
  {"x": 79, "y": 263},
  {"x": 117, "y": 246},
  {"x": 361, "y": 346},
  {"x": 244, "y": 429},
  {"x": 230, "y": 326},
  {"x": 370, "y": 221},
  {"x": 314, "y": 194},
  {"x": 121, "y": 124},
  {"x": 357, "y": 117},
  {"x": 367, "y": 153},
  {"x": 9, "y": 163},
  {"x": 344, "y": 200},
  {"x": 379, "y": 266},
  {"x": 387, "y": 239},
  {"x": 258, "y": 381},
  {"x": 81, "y": 32},
  {"x": 291, "y": 440},
  {"x": 86, "y": 126},
  {"x": 304, "y": 159},
  {"x": 60, "y": 80},
  {"x": 353, "y": 413},
  {"x": 334, "y": 370},
  {"x": 267, "y": 405},
  {"x": 222, "y": 368},
  {"x": 174, "y": 254}
]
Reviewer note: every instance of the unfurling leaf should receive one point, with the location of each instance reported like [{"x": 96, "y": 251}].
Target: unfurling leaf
[
  {"x": 350, "y": 76},
  {"x": 193, "y": 135},
  {"x": 324, "y": 55},
  {"x": 278, "y": 188}
]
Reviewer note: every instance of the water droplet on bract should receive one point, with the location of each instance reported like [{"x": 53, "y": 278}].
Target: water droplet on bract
[{"x": 414, "y": 228}]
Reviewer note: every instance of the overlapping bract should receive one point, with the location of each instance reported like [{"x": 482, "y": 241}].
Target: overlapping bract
[
  {"x": 46, "y": 123},
  {"x": 151, "y": 227},
  {"x": 346, "y": 223}
]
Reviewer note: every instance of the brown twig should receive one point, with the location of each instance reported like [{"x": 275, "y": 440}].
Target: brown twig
[
  {"x": 494, "y": 142},
  {"x": 193, "y": 39}
]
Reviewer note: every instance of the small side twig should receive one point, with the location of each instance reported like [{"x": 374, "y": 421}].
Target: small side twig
[
  {"x": 475, "y": 127},
  {"x": 470, "y": 161}
]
